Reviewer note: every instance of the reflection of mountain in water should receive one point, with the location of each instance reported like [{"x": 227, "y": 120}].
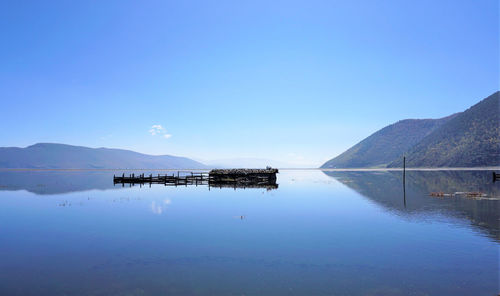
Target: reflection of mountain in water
[
  {"x": 56, "y": 182},
  {"x": 386, "y": 189}
]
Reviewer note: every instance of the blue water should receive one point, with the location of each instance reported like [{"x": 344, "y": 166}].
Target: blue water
[{"x": 334, "y": 233}]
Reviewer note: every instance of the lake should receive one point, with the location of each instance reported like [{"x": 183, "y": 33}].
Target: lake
[{"x": 318, "y": 233}]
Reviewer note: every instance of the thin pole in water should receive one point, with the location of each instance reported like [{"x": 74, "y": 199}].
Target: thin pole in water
[
  {"x": 404, "y": 180},
  {"x": 404, "y": 168}
]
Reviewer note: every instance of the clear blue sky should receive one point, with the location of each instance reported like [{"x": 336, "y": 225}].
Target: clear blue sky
[{"x": 296, "y": 81}]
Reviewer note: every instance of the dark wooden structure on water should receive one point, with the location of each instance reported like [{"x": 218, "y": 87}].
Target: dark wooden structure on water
[
  {"x": 248, "y": 176},
  {"x": 232, "y": 178},
  {"x": 496, "y": 177}
]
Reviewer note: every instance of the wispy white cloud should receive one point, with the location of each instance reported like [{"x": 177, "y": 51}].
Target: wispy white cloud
[{"x": 157, "y": 129}]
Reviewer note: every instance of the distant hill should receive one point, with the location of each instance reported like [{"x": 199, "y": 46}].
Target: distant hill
[
  {"x": 247, "y": 163},
  {"x": 468, "y": 139},
  {"x": 387, "y": 144},
  {"x": 61, "y": 156}
]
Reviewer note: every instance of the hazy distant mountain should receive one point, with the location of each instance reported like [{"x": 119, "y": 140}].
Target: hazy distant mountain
[
  {"x": 470, "y": 138},
  {"x": 61, "y": 156},
  {"x": 247, "y": 163},
  {"x": 387, "y": 144}
]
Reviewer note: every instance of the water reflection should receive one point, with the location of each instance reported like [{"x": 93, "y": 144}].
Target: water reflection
[
  {"x": 55, "y": 182},
  {"x": 312, "y": 236},
  {"x": 60, "y": 182},
  {"x": 386, "y": 189},
  {"x": 159, "y": 208}
]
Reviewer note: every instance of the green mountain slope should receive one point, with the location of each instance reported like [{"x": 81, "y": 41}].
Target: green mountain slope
[
  {"x": 470, "y": 139},
  {"x": 387, "y": 144},
  {"x": 467, "y": 139}
]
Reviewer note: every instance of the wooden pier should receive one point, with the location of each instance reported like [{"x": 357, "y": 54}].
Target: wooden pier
[
  {"x": 174, "y": 179},
  {"x": 232, "y": 178}
]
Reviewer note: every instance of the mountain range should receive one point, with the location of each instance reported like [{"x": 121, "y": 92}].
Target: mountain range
[
  {"x": 62, "y": 156},
  {"x": 466, "y": 139}
]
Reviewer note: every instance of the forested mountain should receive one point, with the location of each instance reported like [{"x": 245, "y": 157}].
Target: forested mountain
[
  {"x": 466, "y": 139},
  {"x": 387, "y": 144},
  {"x": 470, "y": 139}
]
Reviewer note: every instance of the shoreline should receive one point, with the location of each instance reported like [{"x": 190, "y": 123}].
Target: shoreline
[{"x": 493, "y": 168}]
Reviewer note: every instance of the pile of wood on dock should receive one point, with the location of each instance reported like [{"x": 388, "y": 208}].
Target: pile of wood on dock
[
  {"x": 244, "y": 176},
  {"x": 266, "y": 171},
  {"x": 234, "y": 178}
]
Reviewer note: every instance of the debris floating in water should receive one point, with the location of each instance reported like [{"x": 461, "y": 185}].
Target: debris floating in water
[{"x": 474, "y": 195}]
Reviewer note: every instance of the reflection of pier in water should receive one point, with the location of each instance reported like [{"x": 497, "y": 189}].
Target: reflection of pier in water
[{"x": 231, "y": 178}]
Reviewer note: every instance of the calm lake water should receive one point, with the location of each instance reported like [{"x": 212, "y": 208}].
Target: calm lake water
[{"x": 319, "y": 233}]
